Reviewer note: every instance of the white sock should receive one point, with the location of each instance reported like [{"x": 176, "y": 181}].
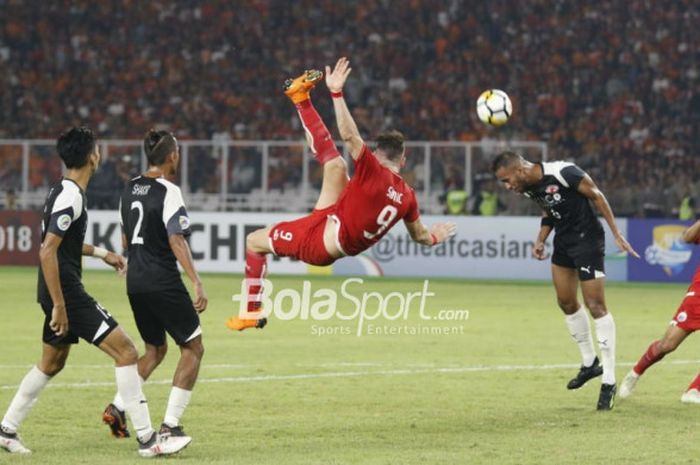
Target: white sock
[
  {"x": 605, "y": 332},
  {"x": 580, "y": 329},
  {"x": 119, "y": 402},
  {"x": 177, "y": 403},
  {"x": 135, "y": 404},
  {"x": 24, "y": 399}
]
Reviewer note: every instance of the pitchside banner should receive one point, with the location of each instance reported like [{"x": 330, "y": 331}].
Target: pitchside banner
[
  {"x": 20, "y": 237},
  {"x": 484, "y": 247},
  {"x": 665, "y": 257}
]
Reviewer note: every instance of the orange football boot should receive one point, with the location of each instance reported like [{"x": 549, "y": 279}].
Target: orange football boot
[
  {"x": 298, "y": 89},
  {"x": 236, "y": 323}
]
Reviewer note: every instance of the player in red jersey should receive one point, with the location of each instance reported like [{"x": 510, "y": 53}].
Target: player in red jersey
[
  {"x": 350, "y": 215},
  {"x": 685, "y": 321}
]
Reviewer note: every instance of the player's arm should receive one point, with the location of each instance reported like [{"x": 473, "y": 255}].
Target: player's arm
[
  {"x": 546, "y": 226},
  {"x": 177, "y": 224},
  {"x": 335, "y": 80},
  {"x": 48, "y": 256},
  {"x": 588, "y": 189},
  {"x": 110, "y": 258},
  {"x": 692, "y": 234},
  {"x": 438, "y": 234},
  {"x": 183, "y": 254}
]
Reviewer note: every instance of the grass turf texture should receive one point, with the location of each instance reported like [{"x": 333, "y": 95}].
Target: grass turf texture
[{"x": 283, "y": 395}]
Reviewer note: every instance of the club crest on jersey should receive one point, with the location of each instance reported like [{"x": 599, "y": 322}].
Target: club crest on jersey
[
  {"x": 184, "y": 221},
  {"x": 393, "y": 195},
  {"x": 551, "y": 189},
  {"x": 140, "y": 189},
  {"x": 64, "y": 222}
]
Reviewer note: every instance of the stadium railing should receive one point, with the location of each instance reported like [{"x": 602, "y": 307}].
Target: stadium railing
[{"x": 252, "y": 175}]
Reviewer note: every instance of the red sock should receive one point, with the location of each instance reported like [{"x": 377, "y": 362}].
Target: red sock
[
  {"x": 695, "y": 384},
  {"x": 650, "y": 357},
  {"x": 255, "y": 270},
  {"x": 321, "y": 142}
]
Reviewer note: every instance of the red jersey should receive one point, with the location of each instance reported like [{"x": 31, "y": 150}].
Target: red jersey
[{"x": 374, "y": 200}]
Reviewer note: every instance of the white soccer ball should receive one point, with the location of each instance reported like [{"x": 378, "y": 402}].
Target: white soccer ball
[{"x": 494, "y": 107}]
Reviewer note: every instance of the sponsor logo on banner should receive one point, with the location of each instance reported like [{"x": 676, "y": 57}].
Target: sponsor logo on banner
[
  {"x": 666, "y": 258},
  {"x": 668, "y": 249}
]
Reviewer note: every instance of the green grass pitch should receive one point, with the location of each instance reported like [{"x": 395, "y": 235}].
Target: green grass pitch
[{"x": 493, "y": 393}]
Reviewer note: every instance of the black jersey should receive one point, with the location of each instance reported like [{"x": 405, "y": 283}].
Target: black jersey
[
  {"x": 65, "y": 215},
  {"x": 151, "y": 209},
  {"x": 557, "y": 194}
]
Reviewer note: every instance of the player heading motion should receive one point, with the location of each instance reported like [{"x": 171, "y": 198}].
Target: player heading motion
[
  {"x": 70, "y": 313},
  {"x": 685, "y": 321},
  {"x": 565, "y": 193},
  {"x": 350, "y": 215},
  {"x": 154, "y": 226}
]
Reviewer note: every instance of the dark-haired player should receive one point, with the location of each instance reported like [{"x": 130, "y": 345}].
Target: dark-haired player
[
  {"x": 684, "y": 322},
  {"x": 350, "y": 215},
  {"x": 70, "y": 313},
  {"x": 565, "y": 194},
  {"x": 154, "y": 226}
]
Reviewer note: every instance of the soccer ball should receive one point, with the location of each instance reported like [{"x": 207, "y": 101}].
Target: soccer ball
[{"x": 494, "y": 107}]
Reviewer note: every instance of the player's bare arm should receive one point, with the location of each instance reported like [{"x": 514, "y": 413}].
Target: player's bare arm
[
  {"x": 115, "y": 261},
  {"x": 588, "y": 189},
  {"x": 692, "y": 234},
  {"x": 438, "y": 234},
  {"x": 182, "y": 252},
  {"x": 545, "y": 230},
  {"x": 335, "y": 80},
  {"x": 49, "y": 267}
]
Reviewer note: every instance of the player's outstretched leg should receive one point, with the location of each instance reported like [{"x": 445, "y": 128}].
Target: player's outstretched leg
[
  {"x": 257, "y": 248},
  {"x": 317, "y": 134},
  {"x": 656, "y": 351}
]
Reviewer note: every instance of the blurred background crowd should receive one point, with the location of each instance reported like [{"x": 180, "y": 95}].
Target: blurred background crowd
[{"x": 611, "y": 85}]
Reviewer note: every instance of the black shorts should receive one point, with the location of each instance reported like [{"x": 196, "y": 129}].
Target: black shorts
[
  {"x": 587, "y": 257},
  {"x": 87, "y": 320},
  {"x": 171, "y": 311}
]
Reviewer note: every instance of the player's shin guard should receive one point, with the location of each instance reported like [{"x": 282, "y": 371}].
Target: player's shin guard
[
  {"x": 255, "y": 271},
  {"x": 605, "y": 332},
  {"x": 32, "y": 384},
  {"x": 580, "y": 329},
  {"x": 317, "y": 133},
  {"x": 650, "y": 357},
  {"x": 129, "y": 387}
]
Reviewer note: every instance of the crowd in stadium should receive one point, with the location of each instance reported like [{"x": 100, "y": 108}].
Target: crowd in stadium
[{"x": 600, "y": 82}]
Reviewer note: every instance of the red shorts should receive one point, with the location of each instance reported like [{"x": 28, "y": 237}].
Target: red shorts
[
  {"x": 303, "y": 238},
  {"x": 688, "y": 315}
]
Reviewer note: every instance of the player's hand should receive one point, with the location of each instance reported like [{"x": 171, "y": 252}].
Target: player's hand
[
  {"x": 624, "y": 245},
  {"x": 200, "y": 298},
  {"x": 116, "y": 261},
  {"x": 335, "y": 80},
  {"x": 538, "y": 251},
  {"x": 59, "y": 320},
  {"x": 443, "y": 231}
]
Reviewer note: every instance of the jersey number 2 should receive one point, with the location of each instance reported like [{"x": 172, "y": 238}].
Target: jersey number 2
[
  {"x": 137, "y": 239},
  {"x": 384, "y": 219}
]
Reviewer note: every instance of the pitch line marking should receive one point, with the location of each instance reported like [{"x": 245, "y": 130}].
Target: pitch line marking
[{"x": 350, "y": 374}]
